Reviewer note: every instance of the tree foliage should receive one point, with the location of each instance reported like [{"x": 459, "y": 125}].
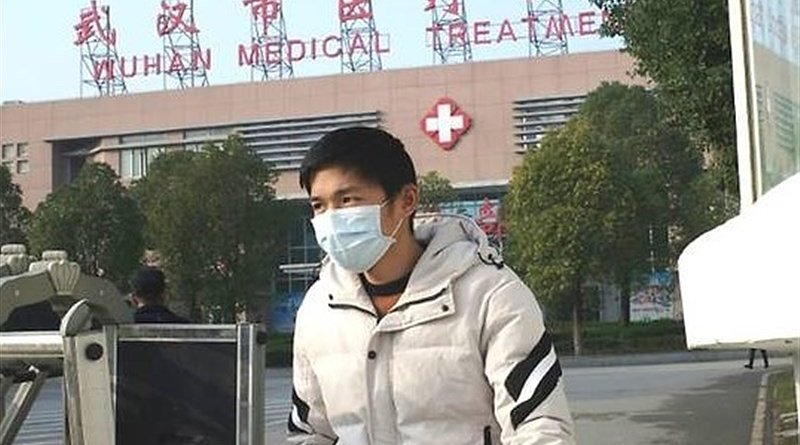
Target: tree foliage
[
  {"x": 95, "y": 220},
  {"x": 663, "y": 171},
  {"x": 14, "y": 217},
  {"x": 684, "y": 47},
  {"x": 563, "y": 209},
  {"x": 434, "y": 190},
  {"x": 213, "y": 219}
]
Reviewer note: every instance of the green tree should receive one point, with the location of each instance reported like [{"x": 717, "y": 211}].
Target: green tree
[
  {"x": 96, "y": 221},
  {"x": 683, "y": 46},
  {"x": 434, "y": 190},
  {"x": 213, "y": 219},
  {"x": 14, "y": 216},
  {"x": 663, "y": 171},
  {"x": 563, "y": 208}
]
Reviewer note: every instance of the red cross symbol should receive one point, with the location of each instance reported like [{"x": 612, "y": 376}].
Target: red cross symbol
[{"x": 445, "y": 123}]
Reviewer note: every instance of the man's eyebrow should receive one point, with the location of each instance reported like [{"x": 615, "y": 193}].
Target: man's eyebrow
[
  {"x": 346, "y": 190},
  {"x": 342, "y": 191}
]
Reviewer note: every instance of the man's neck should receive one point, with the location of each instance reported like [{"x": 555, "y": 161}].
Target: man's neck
[{"x": 398, "y": 261}]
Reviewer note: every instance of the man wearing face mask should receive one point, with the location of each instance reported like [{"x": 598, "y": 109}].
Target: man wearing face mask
[{"x": 413, "y": 334}]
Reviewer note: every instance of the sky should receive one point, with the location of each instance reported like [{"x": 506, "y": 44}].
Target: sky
[{"x": 38, "y": 60}]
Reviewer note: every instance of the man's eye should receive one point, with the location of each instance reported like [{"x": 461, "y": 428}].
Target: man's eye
[
  {"x": 316, "y": 207},
  {"x": 347, "y": 200}
]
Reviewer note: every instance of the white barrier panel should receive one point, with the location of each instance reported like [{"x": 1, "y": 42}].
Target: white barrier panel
[{"x": 740, "y": 283}]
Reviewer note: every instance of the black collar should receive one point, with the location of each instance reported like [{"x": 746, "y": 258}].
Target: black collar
[{"x": 381, "y": 290}]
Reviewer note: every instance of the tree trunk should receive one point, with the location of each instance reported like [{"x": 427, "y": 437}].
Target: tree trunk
[
  {"x": 625, "y": 302},
  {"x": 577, "y": 310}
]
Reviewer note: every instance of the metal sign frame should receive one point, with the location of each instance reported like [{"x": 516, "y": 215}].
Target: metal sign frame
[
  {"x": 249, "y": 341},
  {"x": 89, "y": 359}
]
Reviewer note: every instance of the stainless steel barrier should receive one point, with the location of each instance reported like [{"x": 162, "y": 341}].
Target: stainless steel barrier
[{"x": 140, "y": 384}]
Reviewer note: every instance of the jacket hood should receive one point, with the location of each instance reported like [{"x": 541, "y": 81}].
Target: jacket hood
[{"x": 452, "y": 243}]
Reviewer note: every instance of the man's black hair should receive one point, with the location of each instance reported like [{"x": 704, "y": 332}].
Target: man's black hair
[
  {"x": 371, "y": 153},
  {"x": 148, "y": 284}
]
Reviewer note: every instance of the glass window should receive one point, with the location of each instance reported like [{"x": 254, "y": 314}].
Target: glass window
[
  {"x": 149, "y": 154},
  {"x": 134, "y": 162},
  {"x": 8, "y": 151},
  {"x": 142, "y": 138},
  {"x": 23, "y": 167},
  {"x": 197, "y": 133},
  {"x": 9, "y": 165},
  {"x": 136, "y": 165},
  {"x": 126, "y": 163},
  {"x": 131, "y": 139},
  {"x": 22, "y": 150},
  {"x": 154, "y": 137},
  {"x": 220, "y": 131}
]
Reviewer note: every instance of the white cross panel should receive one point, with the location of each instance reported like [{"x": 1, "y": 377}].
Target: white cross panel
[{"x": 444, "y": 123}]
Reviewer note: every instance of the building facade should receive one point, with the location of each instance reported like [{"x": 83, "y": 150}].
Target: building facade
[{"x": 470, "y": 122}]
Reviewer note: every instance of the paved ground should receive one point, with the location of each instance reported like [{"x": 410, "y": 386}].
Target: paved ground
[
  {"x": 683, "y": 404},
  {"x": 704, "y": 403}
]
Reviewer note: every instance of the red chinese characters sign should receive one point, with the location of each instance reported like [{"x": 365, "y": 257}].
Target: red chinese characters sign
[
  {"x": 452, "y": 7},
  {"x": 488, "y": 218},
  {"x": 354, "y": 10},
  {"x": 265, "y": 10},
  {"x": 171, "y": 18},
  {"x": 93, "y": 26},
  {"x": 89, "y": 24}
]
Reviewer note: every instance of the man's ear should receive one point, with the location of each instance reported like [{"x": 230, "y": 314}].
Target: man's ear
[{"x": 409, "y": 198}]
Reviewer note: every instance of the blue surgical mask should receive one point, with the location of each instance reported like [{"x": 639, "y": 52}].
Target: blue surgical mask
[{"x": 352, "y": 236}]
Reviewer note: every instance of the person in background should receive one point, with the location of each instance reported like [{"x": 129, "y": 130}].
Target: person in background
[
  {"x": 148, "y": 286},
  {"x": 749, "y": 365}
]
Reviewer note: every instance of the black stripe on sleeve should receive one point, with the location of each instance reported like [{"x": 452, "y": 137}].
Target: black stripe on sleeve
[
  {"x": 516, "y": 379},
  {"x": 302, "y": 411},
  {"x": 543, "y": 390},
  {"x": 302, "y": 407},
  {"x": 294, "y": 428}
]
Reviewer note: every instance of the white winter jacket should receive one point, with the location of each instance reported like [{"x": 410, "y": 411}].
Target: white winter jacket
[{"x": 463, "y": 357}]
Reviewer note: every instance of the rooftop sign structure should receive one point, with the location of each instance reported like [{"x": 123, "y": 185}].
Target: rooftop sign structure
[
  {"x": 179, "y": 32},
  {"x": 272, "y": 52},
  {"x": 98, "y": 43},
  {"x": 268, "y": 29}
]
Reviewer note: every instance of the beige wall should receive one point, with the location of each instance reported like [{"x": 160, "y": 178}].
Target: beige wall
[{"x": 484, "y": 90}]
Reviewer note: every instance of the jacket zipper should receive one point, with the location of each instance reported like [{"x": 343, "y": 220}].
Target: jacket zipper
[{"x": 487, "y": 435}]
